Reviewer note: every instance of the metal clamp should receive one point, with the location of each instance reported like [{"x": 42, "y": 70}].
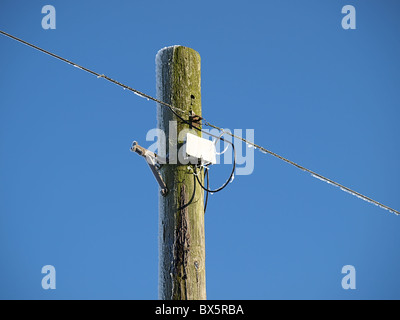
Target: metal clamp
[{"x": 155, "y": 162}]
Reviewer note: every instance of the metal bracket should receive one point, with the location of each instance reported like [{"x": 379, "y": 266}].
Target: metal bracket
[
  {"x": 155, "y": 162},
  {"x": 195, "y": 120}
]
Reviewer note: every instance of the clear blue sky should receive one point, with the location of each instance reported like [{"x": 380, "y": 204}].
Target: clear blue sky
[{"x": 72, "y": 195}]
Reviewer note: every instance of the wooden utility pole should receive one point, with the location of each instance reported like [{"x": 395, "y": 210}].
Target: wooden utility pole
[{"x": 181, "y": 211}]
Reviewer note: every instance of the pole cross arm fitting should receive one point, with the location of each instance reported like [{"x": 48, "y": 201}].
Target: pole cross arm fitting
[{"x": 154, "y": 161}]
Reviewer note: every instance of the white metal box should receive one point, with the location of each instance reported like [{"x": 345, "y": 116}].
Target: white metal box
[{"x": 201, "y": 148}]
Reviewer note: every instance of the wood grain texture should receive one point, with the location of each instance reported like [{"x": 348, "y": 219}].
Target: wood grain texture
[{"x": 181, "y": 212}]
